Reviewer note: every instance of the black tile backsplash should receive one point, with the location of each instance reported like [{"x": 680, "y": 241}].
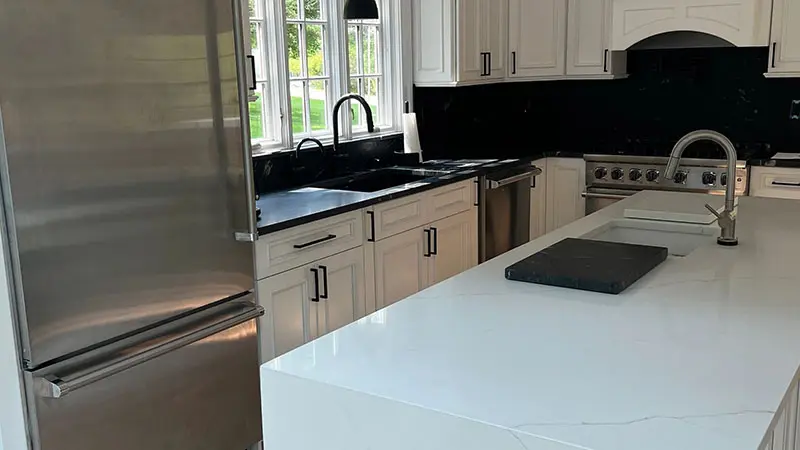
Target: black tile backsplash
[
  {"x": 284, "y": 170},
  {"x": 668, "y": 93}
]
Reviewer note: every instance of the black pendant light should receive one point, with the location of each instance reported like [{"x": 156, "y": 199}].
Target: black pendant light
[{"x": 360, "y": 9}]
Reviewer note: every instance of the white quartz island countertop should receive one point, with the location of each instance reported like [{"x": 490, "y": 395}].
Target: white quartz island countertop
[{"x": 697, "y": 355}]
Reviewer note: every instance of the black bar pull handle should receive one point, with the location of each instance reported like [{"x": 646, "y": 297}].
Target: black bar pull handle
[
  {"x": 435, "y": 233},
  {"x": 252, "y": 59},
  {"x": 513, "y": 63},
  {"x": 327, "y": 238},
  {"x": 427, "y": 253},
  {"x": 605, "y": 61},
  {"x": 315, "y": 298},
  {"x": 774, "y": 51},
  {"x": 324, "y": 271},
  {"x": 371, "y": 237},
  {"x": 477, "y": 193},
  {"x": 489, "y": 65}
]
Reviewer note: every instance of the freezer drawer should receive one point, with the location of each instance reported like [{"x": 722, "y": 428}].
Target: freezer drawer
[{"x": 194, "y": 388}]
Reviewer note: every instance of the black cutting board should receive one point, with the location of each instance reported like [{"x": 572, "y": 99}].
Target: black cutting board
[{"x": 596, "y": 266}]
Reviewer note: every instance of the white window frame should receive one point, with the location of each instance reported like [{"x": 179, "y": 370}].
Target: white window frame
[{"x": 396, "y": 71}]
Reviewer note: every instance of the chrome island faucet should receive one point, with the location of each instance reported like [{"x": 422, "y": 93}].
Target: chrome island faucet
[
  {"x": 367, "y": 112},
  {"x": 727, "y": 218}
]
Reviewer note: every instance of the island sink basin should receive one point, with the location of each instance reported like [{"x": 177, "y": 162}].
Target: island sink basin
[
  {"x": 680, "y": 239},
  {"x": 379, "y": 180}
]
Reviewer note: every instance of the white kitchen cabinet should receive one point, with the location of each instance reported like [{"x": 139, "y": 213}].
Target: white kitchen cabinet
[
  {"x": 775, "y": 182},
  {"x": 539, "y": 201},
  {"x": 785, "y": 39},
  {"x": 589, "y": 41},
  {"x": 459, "y": 41},
  {"x": 537, "y": 38},
  {"x": 286, "y": 323},
  {"x": 496, "y": 37},
  {"x": 342, "y": 296},
  {"x": 401, "y": 266},
  {"x": 454, "y": 246},
  {"x": 566, "y": 180},
  {"x": 305, "y": 303},
  {"x": 744, "y": 23}
]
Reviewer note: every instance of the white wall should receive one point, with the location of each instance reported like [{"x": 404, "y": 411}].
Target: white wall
[{"x": 12, "y": 417}]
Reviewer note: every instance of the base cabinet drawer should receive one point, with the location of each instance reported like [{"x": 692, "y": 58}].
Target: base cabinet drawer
[
  {"x": 451, "y": 200},
  {"x": 295, "y": 247},
  {"x": 775, "y": 182},
  {"x": 396, "y": 216}
]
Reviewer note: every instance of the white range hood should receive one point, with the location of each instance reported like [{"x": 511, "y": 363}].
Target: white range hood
[{"x": 743, "y": 23}]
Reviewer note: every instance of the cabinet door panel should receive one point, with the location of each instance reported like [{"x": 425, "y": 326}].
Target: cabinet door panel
[
  {"x": 456, "y": 243},
  {"x": 471, "y": 41},
  {"x": 785, "y": 36},
  {"x": 495, "y": 27},
  {"x": 537, "y": 37},
  {"x": 566, "y": 179},
  {"x": 344, "y": 288},
  {"x": 285, "y": 324},
  {"x": 586, "y": 40},
  {"x": 539, "y": 201},
  {"x": 401, "y": 269}
]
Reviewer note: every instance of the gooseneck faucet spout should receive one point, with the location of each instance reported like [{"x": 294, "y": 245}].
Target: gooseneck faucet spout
[
  {"x": 367, "y": 110},
  {"x": 727, "y": 218}
]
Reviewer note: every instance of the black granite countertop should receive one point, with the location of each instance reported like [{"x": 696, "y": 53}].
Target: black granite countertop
[{"x": 287, "y": 209}]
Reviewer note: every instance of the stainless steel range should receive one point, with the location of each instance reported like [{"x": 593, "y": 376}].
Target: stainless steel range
[{"x": 611, "y": 178}]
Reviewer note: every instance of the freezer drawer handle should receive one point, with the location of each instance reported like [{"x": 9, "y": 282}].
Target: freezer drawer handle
[
  {"x": 494, "y": 184},
  {"x": 52, "y": 386},
  {"x": 327, "y": 238}
]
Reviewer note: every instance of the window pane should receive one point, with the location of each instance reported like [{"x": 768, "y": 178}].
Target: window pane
[
  {"x": 372, "y": 95},
  {"x": 297, "y": 90},
  {"x": 256, "y": 49},
  {"x": 313, "y": 9},
  {"x": 315, "y": 46},
  {"x": 292, "y": 9},
  {"x": 352, "y": 49},
  {"x": 253, "y": 37},
  {"x": 253, "y": 11},
  {"x": 355, "y": 107},
  {"x": 293, "y": 48},
  {"x": 318, "y": 94},
  {"x": 370, "y": 49},
  {"x": 256, "y": 117}
]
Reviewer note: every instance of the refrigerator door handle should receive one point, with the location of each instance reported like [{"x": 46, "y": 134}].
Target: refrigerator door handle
[
  {"x": 53, "y": 386},
  {"x": 251, "y": 234}
]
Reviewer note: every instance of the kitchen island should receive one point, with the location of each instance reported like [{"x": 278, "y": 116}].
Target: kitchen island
[{"x": 698, "y": 354}]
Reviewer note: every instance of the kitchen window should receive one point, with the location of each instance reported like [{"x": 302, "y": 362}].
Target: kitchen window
[{"x": 307, "y": 57}]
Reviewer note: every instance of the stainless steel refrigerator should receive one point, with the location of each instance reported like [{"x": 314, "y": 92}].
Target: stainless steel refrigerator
[{"x": 129, "y": 219}]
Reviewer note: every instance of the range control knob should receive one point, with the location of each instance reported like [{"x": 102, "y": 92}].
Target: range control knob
[
  {"x": 652, "y": 175},
  {"x": 617, "y": 174},
  {"x": 635, "y": 175},
  {"x": 680, "y": 177},
  {"x": 600, "y": 173},
  {"x": 723, "y": 180},
  {"x": 709, "y": 178}
]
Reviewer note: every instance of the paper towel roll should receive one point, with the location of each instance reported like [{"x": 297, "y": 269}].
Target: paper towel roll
[{"x": 411, "y": 142}]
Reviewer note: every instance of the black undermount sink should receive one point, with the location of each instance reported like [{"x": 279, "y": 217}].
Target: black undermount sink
[{"x": 378, "y": 180}]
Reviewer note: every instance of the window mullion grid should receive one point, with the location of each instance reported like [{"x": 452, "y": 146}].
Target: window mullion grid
[
  {"x": 362, "y": 113},
  {"x": 339, "y": 61},
  {"x": 275, "y": 25}
]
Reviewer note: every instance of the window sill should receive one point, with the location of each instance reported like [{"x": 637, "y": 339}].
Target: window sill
[{"x": 327, "y": 142}]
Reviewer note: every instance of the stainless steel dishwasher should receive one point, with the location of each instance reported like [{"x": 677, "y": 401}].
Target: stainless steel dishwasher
[{"x": 504, "y": 208}]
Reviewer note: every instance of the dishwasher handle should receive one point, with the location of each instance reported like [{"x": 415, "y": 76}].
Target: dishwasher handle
[
  {"x": 604, "y": 196},
  {"x": 495, "y": 184}
]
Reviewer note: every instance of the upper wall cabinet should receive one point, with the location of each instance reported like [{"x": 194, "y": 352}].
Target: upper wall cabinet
[
  {"x": 741, "y": 22},
  {"x": 537, "y": 33},
  {"x": 459, "y": 42},
  {"x": 785, "y": 46},
  {"x": 589, "y": 52}
]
